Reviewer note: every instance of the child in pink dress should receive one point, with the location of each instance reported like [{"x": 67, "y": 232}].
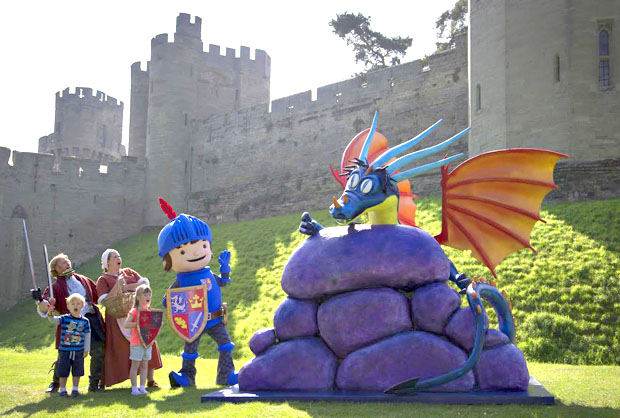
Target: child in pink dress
[{"x": 138, "y": 353}]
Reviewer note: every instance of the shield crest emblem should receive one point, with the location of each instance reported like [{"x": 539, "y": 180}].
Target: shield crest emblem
[
  {"x": 187, "y": 310},
  {"x": 149, "y": 324}
]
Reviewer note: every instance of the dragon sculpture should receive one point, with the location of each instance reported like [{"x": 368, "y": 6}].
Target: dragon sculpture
[{"x": 490, "y": 204}]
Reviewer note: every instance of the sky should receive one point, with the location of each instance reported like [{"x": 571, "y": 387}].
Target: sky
[{"x": 50, "y": 45}]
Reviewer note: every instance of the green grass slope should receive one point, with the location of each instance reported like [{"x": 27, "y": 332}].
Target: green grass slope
[{"x": 566, "y": 297}]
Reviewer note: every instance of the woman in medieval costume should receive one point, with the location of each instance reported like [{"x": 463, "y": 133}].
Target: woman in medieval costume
[
  {"x": 114, "y": 280},
  {"x": 67, "y": 283}
]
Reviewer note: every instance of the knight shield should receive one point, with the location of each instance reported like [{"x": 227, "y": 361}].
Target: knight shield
[
  {"x": 187, "y": 310},
  {"x": 149, "y": 324}
]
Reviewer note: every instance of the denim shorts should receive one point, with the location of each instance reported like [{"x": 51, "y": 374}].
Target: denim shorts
[{"x": 139, "y": 353}]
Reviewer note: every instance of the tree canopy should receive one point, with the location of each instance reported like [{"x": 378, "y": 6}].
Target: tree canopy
[
  {"x": 372, "y": 48},
  {"x": 451, "y": 23}
]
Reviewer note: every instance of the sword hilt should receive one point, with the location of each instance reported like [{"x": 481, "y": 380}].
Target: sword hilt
[{"x": 36, "y": 294}]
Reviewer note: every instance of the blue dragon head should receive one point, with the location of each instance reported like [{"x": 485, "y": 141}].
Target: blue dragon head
[
  {"x": 366, "y": 188},
  {"x": 372, "y": 186}
]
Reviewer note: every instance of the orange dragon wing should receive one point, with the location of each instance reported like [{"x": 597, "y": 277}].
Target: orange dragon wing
[
  {"x": 406, "y": 205},
  {"x": 491, "y": 202}
]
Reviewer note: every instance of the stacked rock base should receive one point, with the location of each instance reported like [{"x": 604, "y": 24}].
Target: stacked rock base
[{"x": 369, "y": 307}]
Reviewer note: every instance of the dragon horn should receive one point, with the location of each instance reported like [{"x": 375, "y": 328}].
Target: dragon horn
[
  {"x": 424, "y": 152},
  {"x": 393, "y": 152},
  {"x": 364, "y": 153},
  {"x": 336, "y": 204},
  {"x": 423, "y": 168}
]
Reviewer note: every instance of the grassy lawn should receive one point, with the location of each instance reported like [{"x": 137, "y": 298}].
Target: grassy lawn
[
  {"x": 566, "y": 299},
  {"x": 580, "y": 391}
]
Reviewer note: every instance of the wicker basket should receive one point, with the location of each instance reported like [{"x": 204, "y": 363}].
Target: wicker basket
[{"x": 118, "y": 306}]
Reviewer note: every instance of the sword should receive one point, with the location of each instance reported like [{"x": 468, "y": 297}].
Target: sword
[
  {"x": 195, "y": 324},
  {"x": 49, "y": 278},
  {"x": 35, "y": 291}
]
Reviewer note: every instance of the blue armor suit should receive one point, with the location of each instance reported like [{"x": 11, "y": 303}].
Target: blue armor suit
[{"x": 185, "y": 247}]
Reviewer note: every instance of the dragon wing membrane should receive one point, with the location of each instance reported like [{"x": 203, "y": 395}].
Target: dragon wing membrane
[{"x": 491, "y": 202}]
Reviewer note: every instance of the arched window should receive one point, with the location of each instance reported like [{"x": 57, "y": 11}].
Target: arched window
[
  {"x": 604, "y": 55},
  {"x": 556, "y": 68},
  {"x": 478, "y": 97}
]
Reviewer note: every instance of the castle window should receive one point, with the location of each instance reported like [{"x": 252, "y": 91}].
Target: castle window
[
  {"x": 478, "y": 97},
  {"x": 556, "y": 68},
  {"x": 604, "y": 55},
  {"x": 186, "y": 119}
]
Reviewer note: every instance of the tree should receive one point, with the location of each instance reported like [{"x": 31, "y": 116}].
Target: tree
[
  {"x": 455, "y": 19},
  {"x": 370, "y": 47}
]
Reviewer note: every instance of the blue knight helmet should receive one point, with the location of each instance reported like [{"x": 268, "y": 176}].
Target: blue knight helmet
[{"x": 180, "y": 230}]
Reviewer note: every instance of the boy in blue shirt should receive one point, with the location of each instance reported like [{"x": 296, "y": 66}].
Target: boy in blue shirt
[{"x": 74, "y": 343}]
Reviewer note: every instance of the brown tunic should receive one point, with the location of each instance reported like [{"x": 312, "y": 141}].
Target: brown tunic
[{"x": 117, "y": 364}]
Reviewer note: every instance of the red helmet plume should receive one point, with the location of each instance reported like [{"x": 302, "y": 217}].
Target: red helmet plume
[{"x": 167, "y": 208}]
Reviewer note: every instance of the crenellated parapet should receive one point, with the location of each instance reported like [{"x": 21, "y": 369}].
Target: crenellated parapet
[
  {"x": 69, "y": 168},
  {"x": 85, "y": 95},
  {"x": 415, "y": 76}
]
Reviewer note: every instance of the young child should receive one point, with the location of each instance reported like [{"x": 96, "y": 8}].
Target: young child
[
  {"x": 74, "y": 343},
  {"x": 138, "y": 354}
]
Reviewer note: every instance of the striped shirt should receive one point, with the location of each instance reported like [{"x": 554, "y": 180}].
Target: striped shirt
[{"x": 74, "y": 333}]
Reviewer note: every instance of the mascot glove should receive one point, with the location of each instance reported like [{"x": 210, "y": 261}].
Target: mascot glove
[{"x": 224, "y": 260}]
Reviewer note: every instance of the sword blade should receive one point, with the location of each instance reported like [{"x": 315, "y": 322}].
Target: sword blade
[
  {"x": 47, "y": 270},
  {"x": 196, "y": 321},
  {"x": 34, "y": 282}
]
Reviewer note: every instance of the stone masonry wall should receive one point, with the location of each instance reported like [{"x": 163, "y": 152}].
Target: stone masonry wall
[
  {"x": 254, "y": 163},
  {"x": 75, "y": 210}
]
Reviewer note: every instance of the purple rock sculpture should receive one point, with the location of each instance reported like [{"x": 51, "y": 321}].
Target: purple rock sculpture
[
  {"x": 494, "y": 338},
  {"x": 340, "y": 259},
  {"x": 295, "y": 318},
  {"x": 413, "y": 354},
  {"x": 432, "y": 305},
  {"x": 502, "y": 368},
  {"x": 356, "y": 319},
  {"x": 300, "y": 364},
  {"x": 461, "y": 328},
  {"x": 262, "y": 340}
]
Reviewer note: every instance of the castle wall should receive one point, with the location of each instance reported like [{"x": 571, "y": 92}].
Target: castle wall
[
  {"x": 186, "y": 83},
  {"x": 87, "y": 125},
  {"x": 254, "y": 163},
  {"x": 74, "y": 209},
  {"x": 138, "y": 112},
  {"x": 537, "y": 64}
]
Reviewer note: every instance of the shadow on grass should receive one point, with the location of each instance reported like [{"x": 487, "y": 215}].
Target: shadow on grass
[
  {"x": 598, "y": 220},
  {"x": 184, "y": 400}
]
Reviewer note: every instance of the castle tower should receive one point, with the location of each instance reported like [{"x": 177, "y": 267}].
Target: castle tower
[
  {"x": 138, "y": 112},
  {"x": 545, "y": 75},
  {"x": 86, "y": 126},
  {"x": 185, "y": 83}
]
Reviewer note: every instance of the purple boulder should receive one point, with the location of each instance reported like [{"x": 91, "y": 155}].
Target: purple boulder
[
  {"x": 502, "y": 368},
  {"x": 413, "y": 354},
  {"x": 461, "y": 328},
  {"x": 300, "y": 364},
  {"x": 356, "y": 319},
  {"x": 341, "y": 259},
  {"x": 295, "y": 318},
  {"x": 432, "y": 305},
  {"x": 262, "y": 340},
  {"x": 494, "y": 338}
]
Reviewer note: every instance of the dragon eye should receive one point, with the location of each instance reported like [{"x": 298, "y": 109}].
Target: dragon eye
[
  {"x": 366, "y": 186},
  {"x": 353, "y": 181}
]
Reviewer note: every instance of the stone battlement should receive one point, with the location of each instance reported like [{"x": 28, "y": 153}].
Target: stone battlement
[
  {"x": 85, "y": 95},
  {"x": 375, "y": 84},
  {"x": 69, "y": 167}
]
